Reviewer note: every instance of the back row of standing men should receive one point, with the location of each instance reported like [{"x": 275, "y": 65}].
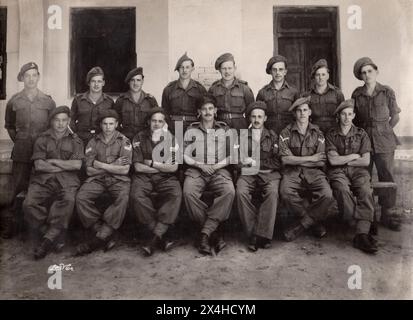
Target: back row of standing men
[{"x": 377, "y": 112}]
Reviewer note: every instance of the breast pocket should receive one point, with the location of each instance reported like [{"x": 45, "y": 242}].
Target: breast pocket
[
  {"x": 287, "y": 99},
  {"x": 22, "y": 117},
  {"x": 237, "y": 101}
]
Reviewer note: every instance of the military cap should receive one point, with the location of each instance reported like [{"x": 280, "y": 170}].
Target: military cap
[
  {"x": 256, "y": 105},
  {"x": 95, "y": 71},
  {"x": 26, "y": 67},
  {"x": 360, "y": 63},
  {"x": 181, "y": 60},
  {"x": 223, "y": 58},
  {"x": 275, "y": 59},
  {"x": 134, "y": 72},
  {"x": 322, "y": 63},
  {"x": 299, "y": 102},
  {"x": 60, "y": 109},
  {"x": 349, "y": 103},
  {"x": 110, "y": 113}
]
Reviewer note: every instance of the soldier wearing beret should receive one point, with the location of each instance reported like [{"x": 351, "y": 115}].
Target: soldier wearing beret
[
  {"x": 302, "y": 150},
  {"x": 259, "y": 222},
  {"x": 154, "y": 161},
  {"x": 232, "y": 95},
  {"x": 179, "y": 98},
  {"x": 378, "y": 113},
  {"x": 278, "y": 95},
  {"x": 324, "y": 97},
  {"x": 348, "y": 151},
  {"x": 108, "y": 158},
  {"x": 134, "y": 105},
  {"x": 207, "y": 153},
  {"x": 57, "y": 156},
  {"x": 87, "y": 107},
  {"x": 27, "y": 115}
]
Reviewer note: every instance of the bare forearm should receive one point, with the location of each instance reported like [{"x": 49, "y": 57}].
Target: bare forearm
[
  {"x": 341, "y": 160},
  {"x": 295, "y": 161},
  {"x": 12, "y": 134},
  {"x": 143, "y": 168},
  {"x": 68, "y": 165},
  {"x": 394, "y": 120},
  {"x": 311, "y": 164},
  {"x": 163, "y": 167},
  {"x": 90, "y": 171},
  {"x": 111, "y": 168},
  {"x": 44, "y": 166}
]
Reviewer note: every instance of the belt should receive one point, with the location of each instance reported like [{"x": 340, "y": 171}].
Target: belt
[
  {"x": 183, "y": 118},
  {"x": 227, "y": 116}
]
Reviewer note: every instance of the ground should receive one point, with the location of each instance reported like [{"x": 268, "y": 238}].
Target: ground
[{"x": 307, "y": 268}]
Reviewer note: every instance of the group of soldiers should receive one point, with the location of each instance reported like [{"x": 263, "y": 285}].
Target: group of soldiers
[{"x": 314, "y": 149}]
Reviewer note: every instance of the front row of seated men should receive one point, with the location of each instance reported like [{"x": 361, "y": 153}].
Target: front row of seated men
[{"x": 290, "y": 164}]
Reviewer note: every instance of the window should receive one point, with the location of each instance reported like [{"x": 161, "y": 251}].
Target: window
[
  {"x": 3, "y": 53},
  {"x": 102, "y": 37},
  {"x": 304, "y": 35}
]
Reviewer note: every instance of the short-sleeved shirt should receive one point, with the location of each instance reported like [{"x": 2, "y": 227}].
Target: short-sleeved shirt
[
  {"x": 133, "y": 114},
  {"x": 69, "y": 147},
  {"x": 234, "y": 99},
  {"x": 118, "y": 146},
  {"x": 323, "y": 106},
  {"x": 293, "y": 143},
  {"x": 179, "y": 101},
  {"x": 373, "y": 114},
  {"x": 356, "y": 141},
  {"x": 29, "y": 119},
  {"x": 85, "y": 113},
  {"x": 278, "y": 102}
]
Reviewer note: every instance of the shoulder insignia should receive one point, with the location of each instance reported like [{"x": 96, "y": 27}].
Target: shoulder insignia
[
  {"x": 88, "y": 150},
  {"x": 321, "y": 139},
  {"x": 275, "y": 145},
  {"x": 284, "y": 139},
  {"x": 136, "y": 144}
]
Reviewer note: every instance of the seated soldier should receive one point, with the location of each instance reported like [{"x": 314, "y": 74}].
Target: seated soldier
[
  {"x": 302, "y": 151},
  {"x": 155, "y": 167},
  {"x": 259, "y": 222},
  {"x": 108, "y": 159},
  {"x": 348, "y": 151},
  {"x": 207, "y": 157},
  {"x": 57, "y": 156}
]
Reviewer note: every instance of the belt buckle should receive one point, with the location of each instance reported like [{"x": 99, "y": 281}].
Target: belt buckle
[{"x": 92, "y": 131}]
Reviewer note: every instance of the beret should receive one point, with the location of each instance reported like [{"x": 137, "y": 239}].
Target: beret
[
  {"x": 349, "y": 103},
  {"x": 275, "y": 59},
  {"x": 207, "y": 98},
  {"x": 95, "y": 71},
  {"x": 360, "y": 63},
  {"x": 60, "y": 109},
  {"x": 26, "y": 67},
  {"x": 181, "y": 60},
  {"x": 322, "y": 63},
  {"x": 110, "y": 113},
  {"x": 223, "y": 58},
  {"x": 299, "y": 102},
  {"x": 132, "y": 73},
  {"x": 256, "y": 105}
]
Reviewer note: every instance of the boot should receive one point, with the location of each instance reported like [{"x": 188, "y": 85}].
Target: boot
[
  {"x": 319, "y": 230},
  {"x": 8, "y": 227},
  {"x": 252, "y": 244},
  {"x": 204, "y": 246},
  {"x": 89, "y": 246},
  {"x": 293, "y": 232},
  {"x": 362, "y": 242},
  {"x": 217, "y": 241},
  {"x": 390, "y": 219},
  {"x": 149, "y": 248},
  {"x": 43, "y": 249}
]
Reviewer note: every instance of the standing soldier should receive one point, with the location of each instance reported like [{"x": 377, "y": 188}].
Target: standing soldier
[
  {"x": 88, "y": 106},
  {"x": 348, "y": 151},
  {"x": 108, "y": 159},
  {"x": 324, "y": 97},
  {"x": 27, "y": 115},
  {"x": 134, "y": 105},
  {"x": 302, "y": 151},
  {"x": 278, "y": 95},
  {"x": 259, "y": 222},
  {"x": 231, "y": 94},
  {"x": 208, "y": 157},
  {"x": 57, "y": 156},
  {"x": 378, "y": 113},
  {"x": 155, "y": 167},
  {"x": 179, "y": 98}
]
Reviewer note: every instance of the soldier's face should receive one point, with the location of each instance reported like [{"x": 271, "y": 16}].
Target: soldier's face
[
  {"x": 321, "y": 77},
  {"x": 60, "y": 122},
  {"x": 185, "y": 70},
  {"x": 346, "y": 116},
  {"x": 278, "y": 71},
  {"x": 136, "y": 83},
  {"x": 157, "y": 121},
  {"x": 109, "y": 125},
  {"x": 369, "y": 74},
  {"x": 227, "y": 70},
  {"x": 302, "y": 113},
  {"x": 31, "y": 79},
  {"x": 96, "y": 84},
  {"x": 207, "y": 112},
  {"x": 257, "y": 118}
]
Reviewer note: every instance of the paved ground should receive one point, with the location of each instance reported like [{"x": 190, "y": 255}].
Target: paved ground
[{"x": 304, "y": 269}]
